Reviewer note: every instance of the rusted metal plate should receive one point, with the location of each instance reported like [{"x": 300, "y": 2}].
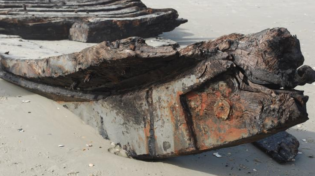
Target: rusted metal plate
[
  {"x": 157, "y": 122},
  {"x": 84, "y": 21},
  {"x": 177, "y": 101},
  {"x": 223, "y": 113}
]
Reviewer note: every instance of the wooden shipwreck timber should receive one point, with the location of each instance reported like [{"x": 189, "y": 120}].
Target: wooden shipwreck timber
[
  {"x": 160, "y": 102},
  {"x": 84, "y": 20}
]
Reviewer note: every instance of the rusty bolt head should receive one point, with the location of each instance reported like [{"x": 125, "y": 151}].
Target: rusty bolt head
[{"x": 222, "y": 109}]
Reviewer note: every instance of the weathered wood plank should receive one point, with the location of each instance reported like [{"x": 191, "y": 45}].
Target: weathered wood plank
[
  {"x": 122, "y": 64},
  {"x": 84, "y": 21}
]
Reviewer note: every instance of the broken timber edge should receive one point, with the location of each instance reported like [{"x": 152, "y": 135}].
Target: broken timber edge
[
  {"x": 282, "y": 147},
  {"x": 84, "y": 21},
  {"x": 164, "y": 102}
]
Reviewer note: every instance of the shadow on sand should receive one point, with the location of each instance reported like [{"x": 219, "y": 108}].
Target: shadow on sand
[
  {"x": 182, "y": 37},
  {"x": 10, "y": 90},
  {"x": 248, "y": 160}
]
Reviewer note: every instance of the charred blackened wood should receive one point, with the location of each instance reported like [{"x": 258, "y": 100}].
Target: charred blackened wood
[
  {"x": 103, "y": 68},
  {"x": 85, "y": 21},
  {"x": 269, "y": 58},
  {"x": 163, "y": 102},
  {"x": 282, "y": 147},
  {"x": 130, "y": 63}
]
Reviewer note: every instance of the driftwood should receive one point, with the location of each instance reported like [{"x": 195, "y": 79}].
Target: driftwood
[
  {"x": 164, "y": 102},
  {"x": 84, "y": 20},
  {"x": 282, "y": 147}
]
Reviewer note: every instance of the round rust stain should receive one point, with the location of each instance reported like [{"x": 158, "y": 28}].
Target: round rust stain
[{"x": 222, "y": 109}]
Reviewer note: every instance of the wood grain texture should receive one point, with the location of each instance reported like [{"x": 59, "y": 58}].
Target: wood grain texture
[
  {"x": 271, "y": 58},
  {"x": 84, "y": 21},
  {"x": 160, "y": 102}
]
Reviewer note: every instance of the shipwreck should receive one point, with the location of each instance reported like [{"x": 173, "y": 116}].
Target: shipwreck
[
  {"x": 84, "y": 20},
  {"x": 166, "y": 101},
  {"x": 160, "y": 102}
]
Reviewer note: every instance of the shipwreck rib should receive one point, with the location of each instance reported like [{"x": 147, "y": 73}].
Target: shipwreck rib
[
  {"x": 164, "y": 101},
  {"x": 84, "y": 21}
]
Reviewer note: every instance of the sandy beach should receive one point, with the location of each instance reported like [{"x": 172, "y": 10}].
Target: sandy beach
[{"x": 40, "y": 137}]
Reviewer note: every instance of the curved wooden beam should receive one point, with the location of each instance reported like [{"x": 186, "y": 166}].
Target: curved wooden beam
[
  {"x": 84, "y": 21},
  {"x": 160, "y": 102}
]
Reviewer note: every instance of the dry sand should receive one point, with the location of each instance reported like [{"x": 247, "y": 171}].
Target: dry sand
[{"x": 30, "y": 133}]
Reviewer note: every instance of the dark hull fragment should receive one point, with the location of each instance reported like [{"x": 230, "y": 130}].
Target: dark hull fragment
[
  {"x": 282, "y": 147},
  {"x": 164, "y": 102},
  {"x": 84, "y": 21}
]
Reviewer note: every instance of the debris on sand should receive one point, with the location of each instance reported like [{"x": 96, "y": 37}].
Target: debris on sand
[
  {"x": 217, "y": 155},
  {"x": 118, "y": 150},
  {"x": 89, "y": 145}
]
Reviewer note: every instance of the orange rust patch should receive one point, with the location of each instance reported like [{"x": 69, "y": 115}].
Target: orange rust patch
[
  {"x": 147, "y": 135},
  {"x": 237, "y": 111},
  {"x": 222, "y": 109},
  {"x": 180, "y": 126},
  {"x": 209, "y": 108},
  {"x": 219, "y": 133},
  {"x": 203, "y": 103},
  {"x": 234, "y": 134}
]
